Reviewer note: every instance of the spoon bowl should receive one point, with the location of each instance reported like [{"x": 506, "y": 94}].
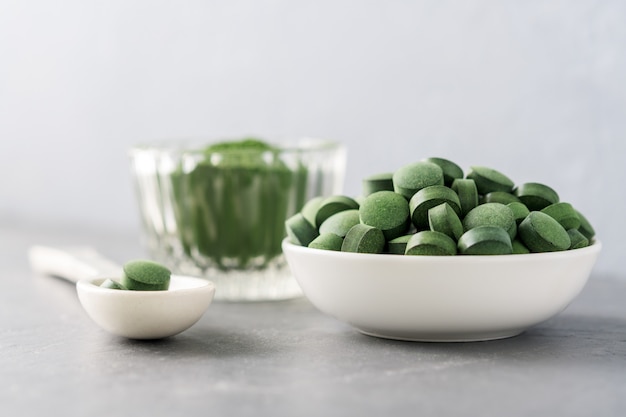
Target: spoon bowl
[
  {"x": 127, "y": 313},
  {"x": 146, "y": 314}
]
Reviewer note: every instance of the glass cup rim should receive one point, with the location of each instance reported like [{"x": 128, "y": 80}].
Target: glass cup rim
[{"x": 198, "y": 145}]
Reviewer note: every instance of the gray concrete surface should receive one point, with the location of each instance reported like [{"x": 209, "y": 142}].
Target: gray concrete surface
[{"x": 288, "y": 359}]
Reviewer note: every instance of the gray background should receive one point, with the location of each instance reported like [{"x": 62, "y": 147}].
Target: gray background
[{"x": 534, "y": 89}]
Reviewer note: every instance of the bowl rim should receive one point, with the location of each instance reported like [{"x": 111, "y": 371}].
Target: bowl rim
[{"x": 594, "y": 247}]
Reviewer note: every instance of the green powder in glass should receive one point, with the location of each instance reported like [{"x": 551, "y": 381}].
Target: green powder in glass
[{"x": 231, "y": 206}]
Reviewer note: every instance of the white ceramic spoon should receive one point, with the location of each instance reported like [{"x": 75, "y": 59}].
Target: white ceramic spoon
[{"x": 131, "y": 314}]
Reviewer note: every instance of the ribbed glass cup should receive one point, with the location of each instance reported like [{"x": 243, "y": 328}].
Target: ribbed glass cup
[{"x": 220, "y": 214}]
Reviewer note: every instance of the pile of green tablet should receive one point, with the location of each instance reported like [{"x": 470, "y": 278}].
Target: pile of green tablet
[
  {"x": 431, "y": 207},
  {"x": 141, "y": 275}
]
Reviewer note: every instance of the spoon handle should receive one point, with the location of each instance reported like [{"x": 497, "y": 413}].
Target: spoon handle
[{"x": 71, "y": 264}]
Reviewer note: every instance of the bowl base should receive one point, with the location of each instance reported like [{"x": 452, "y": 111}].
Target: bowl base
[{"x": 479, "y": 336}]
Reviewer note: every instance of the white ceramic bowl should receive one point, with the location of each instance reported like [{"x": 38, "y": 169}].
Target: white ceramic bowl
[
  {"x": 441, "y": 298},
  {"x": 147, "y": 314}
]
